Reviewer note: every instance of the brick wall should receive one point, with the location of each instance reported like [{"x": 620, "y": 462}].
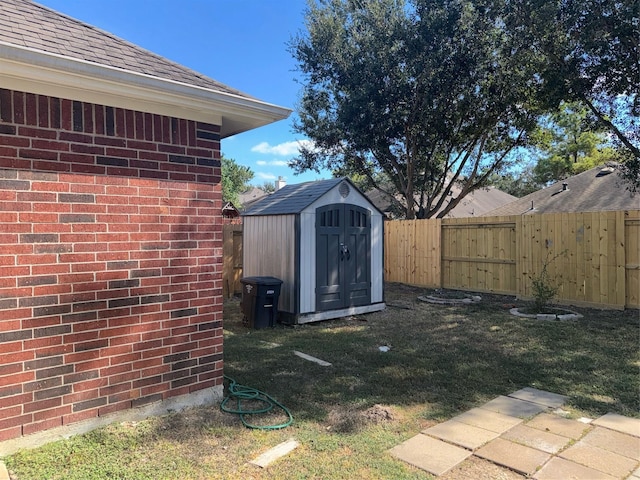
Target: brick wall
[{"x": 110, "y": 260}]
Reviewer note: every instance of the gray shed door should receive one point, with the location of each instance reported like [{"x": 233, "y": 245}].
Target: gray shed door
[{"x": 343, "y": 256}]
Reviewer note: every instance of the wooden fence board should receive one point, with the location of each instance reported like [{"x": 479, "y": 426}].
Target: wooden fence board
[
  {"x": 594, "y": 256},
  {"x": 232, "y": 259},
  {"x": 632, "y": 263}
]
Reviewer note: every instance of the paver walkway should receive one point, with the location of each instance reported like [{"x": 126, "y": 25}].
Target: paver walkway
[{"x": 521, "y": 432}]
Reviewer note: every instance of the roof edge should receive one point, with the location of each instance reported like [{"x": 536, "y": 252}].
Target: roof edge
[{"x": 36, "y": 71}]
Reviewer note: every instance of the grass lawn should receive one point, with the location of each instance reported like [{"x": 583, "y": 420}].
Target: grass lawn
[{"x": 442, "y": 360}]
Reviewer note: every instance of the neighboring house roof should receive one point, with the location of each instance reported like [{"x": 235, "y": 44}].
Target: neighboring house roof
[
  {"x": 293, "y": 199},
  {"x": 46, "y": 52},
  {"x": 473, "y": 204},
  {"x": 251, "y": 196},
  {"x": 598, "y": 189}
]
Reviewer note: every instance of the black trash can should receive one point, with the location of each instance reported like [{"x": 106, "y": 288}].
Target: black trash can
[{"x": 260, "y": 301}]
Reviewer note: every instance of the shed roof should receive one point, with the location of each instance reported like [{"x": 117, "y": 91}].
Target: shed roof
[
  {"x": 44, "y": 51},
  {"x": 293, "y": 199},
  {"x": 598, "y": 189}
]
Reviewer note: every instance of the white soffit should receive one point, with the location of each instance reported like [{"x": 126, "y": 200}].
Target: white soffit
[{"x": 35, "y": 71}]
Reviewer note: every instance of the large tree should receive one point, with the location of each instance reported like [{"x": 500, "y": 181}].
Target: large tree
[
  {"x": 235, "y": 180},
  {"x": 569, "y": 141},
  {"x": 422, "y": 94},
  {"x": 588, "y": 51}
]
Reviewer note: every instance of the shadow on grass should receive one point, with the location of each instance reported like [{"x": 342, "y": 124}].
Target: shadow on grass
[{"x": 447, "y": 358}]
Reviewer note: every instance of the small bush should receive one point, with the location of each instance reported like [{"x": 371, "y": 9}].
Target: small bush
[{"x": 544, "y": 287}]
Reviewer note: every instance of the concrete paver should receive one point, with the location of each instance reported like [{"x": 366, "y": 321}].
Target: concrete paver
[
  {"x": 616, "y": 442},
  {"x": 275, "y": 453},
  {"x": 512, "y": 455},
  {"x": 430, "y": 454},
  {"x": 558, "y": 425},
  {"x": 619, "y": 423},
  {"x": 466, "y": 436},
  {"x": 607, "y": 448},
  {"x": 561, "y": 469},
  {"x": 534, "y": 438},
  {"x": 513, "y": 407},
  {"x": 4, "y": 473},
  {"x": 599, "y": 459},
  {"x": 487, "y": 419},
  {"x": 547, "y": 399}
]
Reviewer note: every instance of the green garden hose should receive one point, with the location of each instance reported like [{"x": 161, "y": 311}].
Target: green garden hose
[{"x": 241, "y": 392}]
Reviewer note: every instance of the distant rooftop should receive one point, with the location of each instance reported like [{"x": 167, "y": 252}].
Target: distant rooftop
[{"x": 598, "y": 189}]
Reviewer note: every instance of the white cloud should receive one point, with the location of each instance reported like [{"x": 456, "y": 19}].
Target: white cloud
[
  {"x": 278, "y": 163},
  {"x": 274, "y": 163},
  {"x": 282, "y": 149},
  {"x": 266, "y": 176}
]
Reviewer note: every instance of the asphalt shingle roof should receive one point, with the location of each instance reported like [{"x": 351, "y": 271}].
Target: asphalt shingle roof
[
  {"x": 28, "y": 24},
  {"x": 292, "y": 199},
  {"x": 592, "y": 191}
]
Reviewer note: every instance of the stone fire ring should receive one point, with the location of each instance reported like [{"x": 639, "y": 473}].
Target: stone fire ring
[{"x": 568, "y": 315}]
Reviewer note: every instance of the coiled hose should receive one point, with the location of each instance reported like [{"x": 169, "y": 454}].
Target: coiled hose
[{"x": 240, "y": 393}]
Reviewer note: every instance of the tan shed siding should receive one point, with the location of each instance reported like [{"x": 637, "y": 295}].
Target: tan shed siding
[{"x": 269, "y": 250}]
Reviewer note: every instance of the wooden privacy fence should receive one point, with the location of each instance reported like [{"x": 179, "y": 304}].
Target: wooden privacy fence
[
  {"x": 232, "y": 259},
  {"x": 594, "y": 258}
]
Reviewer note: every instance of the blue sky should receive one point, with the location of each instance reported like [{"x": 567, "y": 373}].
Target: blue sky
[{"x": 241, "y": 43}]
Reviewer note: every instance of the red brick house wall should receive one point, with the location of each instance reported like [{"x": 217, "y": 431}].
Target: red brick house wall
[{"x": 110, "y": 260}]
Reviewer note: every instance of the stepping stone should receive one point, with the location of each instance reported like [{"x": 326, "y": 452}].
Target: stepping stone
[
  {"x": 546, "y": 399},
  {"x": 616, "y": 442},
  {"x": 459, "y": 433},
  {"x": 311, "y": 359},
  {"x": 522, "y": 459},
  {"x": 534, "y": 438},
  {"x": 434, "y": 456},
  {"x": 561, "y": 469},
  {"x": 619, "y": 423},
  {"x": 513, "y": 407},
  {"x": 636, "y": 475},
  {"x": 558, "y": 425},
  {"x": 599, "y": 459},
  {"x": 275, "y": 453},
  {"x": 493, "y": 421}
]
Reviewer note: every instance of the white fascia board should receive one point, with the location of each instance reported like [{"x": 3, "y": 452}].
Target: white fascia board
[{"x": 35, "y": 71}]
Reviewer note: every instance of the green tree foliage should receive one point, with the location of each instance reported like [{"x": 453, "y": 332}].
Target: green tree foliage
[
  {"x": 268, "y": 187},
  {"x": 235, "y": 180},
  {"x": 421, "y": 93},
  {"x": 517, "y": 183},
  {"x": 586, "y": 51},
  {"x": 569, "y": 142}
]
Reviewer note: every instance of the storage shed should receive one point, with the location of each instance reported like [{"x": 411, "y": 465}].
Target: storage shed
[{"x": 324, "y": 240}]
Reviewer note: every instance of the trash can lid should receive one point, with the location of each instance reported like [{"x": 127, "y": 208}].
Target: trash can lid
[{"x": 261, "y": 280}]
